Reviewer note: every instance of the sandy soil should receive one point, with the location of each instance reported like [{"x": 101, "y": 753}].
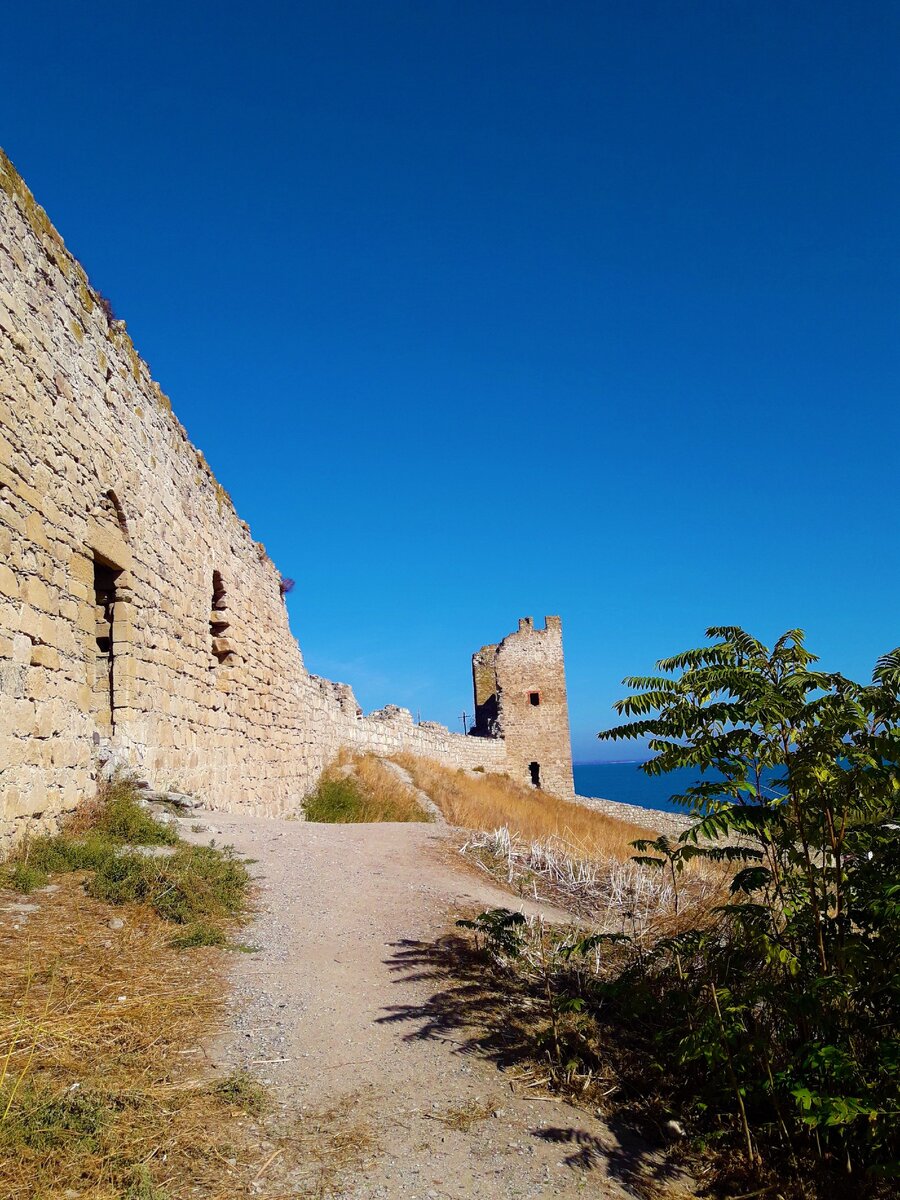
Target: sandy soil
[{"x": 355, "y": 1020}]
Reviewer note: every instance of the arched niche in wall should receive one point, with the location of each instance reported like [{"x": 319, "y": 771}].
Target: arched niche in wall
[
  {"x": 110, "y": 639},
  {"x": 107, "y": 532}
]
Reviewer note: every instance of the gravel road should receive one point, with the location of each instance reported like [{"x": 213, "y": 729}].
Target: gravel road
[{"x": 344, "y": 1011}]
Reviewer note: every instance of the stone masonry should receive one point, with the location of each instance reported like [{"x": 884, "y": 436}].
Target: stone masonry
[
  {"x": 140, "y": 623},
  {"x": 520, "y": 695}
]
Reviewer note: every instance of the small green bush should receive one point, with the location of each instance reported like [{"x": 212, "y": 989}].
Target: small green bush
[
  {"x": 201, "y": 934},
  {"x": 57, "y": 855},
  {"x": 43, "y": 1122},
  {"x": 195, "y": 883},
  {"x": 335, "y": 801},
  {"x": 123, "y": 819},
  {"x": 22, "y": 877}
]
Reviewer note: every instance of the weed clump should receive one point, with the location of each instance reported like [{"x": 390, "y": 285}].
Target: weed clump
[
  {"x": 42, "y": 1121},
  {"x": 201, "y": 934},
  {"x": 194, "y": 883},
  {"x": 360, "y": 789},
  {"x": 334, "y": 800},
  {"x": 241, "y": 1092},
  {"x": 110, "y": 837},
  {"x": 142, "y": 1186},
  {"x": 23, "y": 877},
  {"x": 121, "y": 818}
]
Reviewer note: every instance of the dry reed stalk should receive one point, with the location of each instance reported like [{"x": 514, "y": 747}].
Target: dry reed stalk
[{"x": 612, "y": 895}]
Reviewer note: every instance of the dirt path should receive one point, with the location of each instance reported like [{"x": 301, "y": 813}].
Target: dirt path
[{"x": 349, "y": 1015}]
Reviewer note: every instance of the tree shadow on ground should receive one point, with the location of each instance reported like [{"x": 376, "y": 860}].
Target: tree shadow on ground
[
  {"x": 625, "y": 1156},
  {"x": 481, "y": 1010}
]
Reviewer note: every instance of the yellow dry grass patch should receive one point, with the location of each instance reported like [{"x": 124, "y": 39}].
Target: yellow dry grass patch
[
  {"x": 476, "y": 801},
  {"x": 463, "y": 1117},
  {"x": 361, "y": 788},
  {"x": 105, "y": 1091},
  {"x": 333, "y": 1143},
  {"x": 384, "y": 791}
]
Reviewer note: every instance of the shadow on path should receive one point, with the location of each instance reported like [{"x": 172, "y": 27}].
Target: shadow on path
[
  {"x": 623, "y": 1155},
  {"x": 480, "y": 1011}
]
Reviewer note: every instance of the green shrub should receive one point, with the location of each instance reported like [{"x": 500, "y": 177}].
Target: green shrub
[
  {"x": 781, "y": 1019},
  {"x": 335, "y": 800},
  {"x": 195, "y": 883},
  {"x": 123, "y": 819},
  {"x": 22, "y": 877},
  {"x": 42, "y": 1121},
  {"x": 57, "y": 855}
]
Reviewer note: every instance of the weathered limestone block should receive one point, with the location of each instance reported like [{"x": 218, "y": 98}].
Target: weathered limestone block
[{"x": 9, "y": 585}]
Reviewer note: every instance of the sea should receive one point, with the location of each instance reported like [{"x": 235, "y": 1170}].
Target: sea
[{"x": 627, "y": 783}]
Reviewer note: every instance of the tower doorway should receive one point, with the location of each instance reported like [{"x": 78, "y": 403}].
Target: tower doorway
[{"x": 534, "y": 770}]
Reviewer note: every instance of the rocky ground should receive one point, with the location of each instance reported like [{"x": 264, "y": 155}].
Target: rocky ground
[{"x": 355, "y": 1024}]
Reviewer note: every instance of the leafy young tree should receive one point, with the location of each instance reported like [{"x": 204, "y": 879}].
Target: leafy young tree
[{"x": 793, "y": 996}]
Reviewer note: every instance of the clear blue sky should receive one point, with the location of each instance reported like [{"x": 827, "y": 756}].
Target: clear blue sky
[{"x": 481, "y": 310}]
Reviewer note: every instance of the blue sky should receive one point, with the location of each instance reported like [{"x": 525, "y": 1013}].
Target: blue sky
[{"x": 482, "y": 310}]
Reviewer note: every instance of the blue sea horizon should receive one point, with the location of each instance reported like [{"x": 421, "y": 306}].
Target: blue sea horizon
[{"x": 625, "y": 782}]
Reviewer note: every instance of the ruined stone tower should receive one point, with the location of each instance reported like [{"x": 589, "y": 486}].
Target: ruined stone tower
[{"x": 520, "y": 696}]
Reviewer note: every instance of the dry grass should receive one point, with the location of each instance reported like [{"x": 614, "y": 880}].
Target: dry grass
[
  {"x": 360, "y": 788},
  {"x": 332, "y": 1144},
  {"x": 612, "y": 895},
  {"x": 383, "y": 789},
  {"x": 555, "y": 851},
  {"x": 488, "y": 802},
  {"x": 462, "y": 1117},
  {"x": 104, "y": 1089}
]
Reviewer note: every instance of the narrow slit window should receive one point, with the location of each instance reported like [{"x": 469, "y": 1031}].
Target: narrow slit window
[
  {"x": 104, "y": 673},
  {"x": 218, "y": 621}
]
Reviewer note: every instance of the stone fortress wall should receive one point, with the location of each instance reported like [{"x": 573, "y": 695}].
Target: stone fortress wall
[{"x": 139, "y": 620}]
